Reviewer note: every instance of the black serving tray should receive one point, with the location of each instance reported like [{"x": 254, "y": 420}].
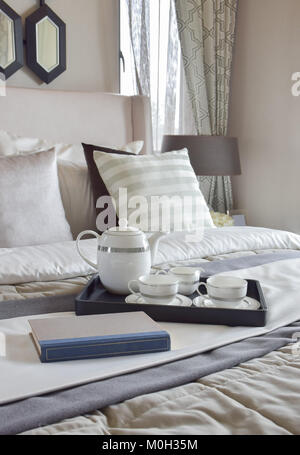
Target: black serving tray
[{"x": 94, "y": 299}]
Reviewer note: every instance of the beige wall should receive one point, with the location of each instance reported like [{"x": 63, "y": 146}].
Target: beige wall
[
  {"x": 264, "y": 114},
  {"x": 92, "y": 45}
]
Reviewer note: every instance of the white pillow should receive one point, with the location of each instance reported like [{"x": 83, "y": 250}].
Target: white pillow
[
  {"x": 77, "y": 196},
  {"x": 147, "y": 178},
  {"x": 31, "y": 209},
  {"x": 11, "y": 144}
]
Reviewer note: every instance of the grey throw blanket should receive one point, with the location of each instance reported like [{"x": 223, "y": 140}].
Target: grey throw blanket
[
  {"x": 245, "y": 262},
  {"x": 48, "y": 409}
]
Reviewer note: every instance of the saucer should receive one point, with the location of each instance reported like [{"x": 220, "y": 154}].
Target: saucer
[
  {"x": 180, "y": 300},
  {"x": 248, "y": 303}
]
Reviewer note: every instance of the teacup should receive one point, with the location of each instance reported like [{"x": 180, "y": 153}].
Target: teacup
[
  {"x": 188, "y": 279},
  {"x": 225, "y": 291},
  {"x": 155, "y": 289}
]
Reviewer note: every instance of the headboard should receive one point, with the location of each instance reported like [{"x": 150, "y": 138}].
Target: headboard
[
  {"x": 74, "y": 117},
  {"x": 71, "y": 118}
]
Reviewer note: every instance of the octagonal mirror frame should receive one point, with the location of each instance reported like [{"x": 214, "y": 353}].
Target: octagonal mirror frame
[
  {"x": 32, "y": 22},
  {"x": 18, "y": 60}
]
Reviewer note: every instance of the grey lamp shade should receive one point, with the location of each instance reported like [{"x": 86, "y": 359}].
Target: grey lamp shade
[{"x": 209, "y": 155}]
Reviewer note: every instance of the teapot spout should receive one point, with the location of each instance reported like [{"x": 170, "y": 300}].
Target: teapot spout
[{"x": 154, "y": 242}]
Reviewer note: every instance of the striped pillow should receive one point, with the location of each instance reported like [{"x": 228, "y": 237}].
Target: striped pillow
[{"x": 155, "y": 192}]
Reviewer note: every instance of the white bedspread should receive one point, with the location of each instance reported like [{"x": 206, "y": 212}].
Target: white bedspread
[
  {"x": 215, "y": 242},
  {"x": 22, "y": 375},
  {"x": 260, "y": 397},
  {"x": 57, "y": 269},
  {"x": 61, "y": 260}
]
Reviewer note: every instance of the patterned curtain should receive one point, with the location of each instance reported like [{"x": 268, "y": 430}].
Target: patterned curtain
[{"x": 207, "y": 34}]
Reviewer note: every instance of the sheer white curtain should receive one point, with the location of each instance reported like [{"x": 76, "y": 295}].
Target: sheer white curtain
[{"x": 153, "y": 65}]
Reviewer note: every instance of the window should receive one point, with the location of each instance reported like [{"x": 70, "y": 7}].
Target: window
[
  {"x": 162, "y": 66},
  {"x": 127, "y": 77}
]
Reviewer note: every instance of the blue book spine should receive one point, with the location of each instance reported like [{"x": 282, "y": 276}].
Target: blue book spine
[{"x": 101, "y": 347}]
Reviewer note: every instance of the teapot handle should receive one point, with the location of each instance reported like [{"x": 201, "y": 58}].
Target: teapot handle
[{"x": 92, "y": 264}]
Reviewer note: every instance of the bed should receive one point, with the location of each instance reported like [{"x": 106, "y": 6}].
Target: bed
[{"x": 258, "y": 395}]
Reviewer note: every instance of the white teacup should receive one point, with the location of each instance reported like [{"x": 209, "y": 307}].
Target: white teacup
[
  {"x": 155, "y": 289},
  {"x": 225, "y": 291},
  {"x": 188, "y": 279}
]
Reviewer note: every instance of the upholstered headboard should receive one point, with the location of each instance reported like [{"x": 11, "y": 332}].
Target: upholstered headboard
[{"x": 73, "y": 117}]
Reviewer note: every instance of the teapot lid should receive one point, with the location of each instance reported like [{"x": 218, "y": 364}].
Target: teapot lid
[{"x": 123, "y": 229}]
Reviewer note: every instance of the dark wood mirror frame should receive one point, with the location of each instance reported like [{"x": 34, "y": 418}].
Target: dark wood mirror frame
[
  {"x": 18, "y": 41},
  {"x": 31, "y": 44}
]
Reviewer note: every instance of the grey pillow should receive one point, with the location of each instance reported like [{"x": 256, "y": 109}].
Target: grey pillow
[{"x": 31, "y": 209}]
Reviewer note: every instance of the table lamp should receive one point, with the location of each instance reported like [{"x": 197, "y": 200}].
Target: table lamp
[{"x": 209, "y": 155}]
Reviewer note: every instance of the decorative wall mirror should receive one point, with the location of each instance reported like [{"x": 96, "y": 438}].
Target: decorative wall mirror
[
  {"x": 11, "y": 41},
  {"x": 46, "y": 44}
]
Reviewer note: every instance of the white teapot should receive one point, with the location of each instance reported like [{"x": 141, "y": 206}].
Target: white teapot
[{"x": 124, "y": 254}]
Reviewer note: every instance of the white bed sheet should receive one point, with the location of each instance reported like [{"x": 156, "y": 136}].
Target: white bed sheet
[
  {"x": 61, "y": 260},
  {"x": 22, "y": 375}
]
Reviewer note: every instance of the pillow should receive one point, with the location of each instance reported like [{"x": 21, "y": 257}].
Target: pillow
[
  {"x": 73, "y": 176},
  {"x": 162, "y": 190},
  {"x": 98, "y": 186},
  {"x": 31, "y": 209},
  {"x": 77, "y": 196},
  {"x": 11, "y": 144}
]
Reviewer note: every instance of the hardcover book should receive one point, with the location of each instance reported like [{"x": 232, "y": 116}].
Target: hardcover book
[{"x": 97, "y": 336}]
